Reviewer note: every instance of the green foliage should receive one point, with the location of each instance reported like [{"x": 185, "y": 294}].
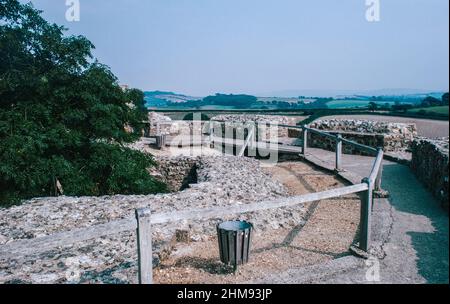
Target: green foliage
[
  {"x": 196, "y": 116},
  {"x": 63, "y": 115},
  {"x": 431, "y": 101},
  {"x": 238, "y": 101},
  {"x": 445, "y": 99},
  {"x": 373, "y": 106}
]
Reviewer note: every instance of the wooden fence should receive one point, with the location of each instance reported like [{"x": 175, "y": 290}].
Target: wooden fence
[{"x": 144, "y": 219}]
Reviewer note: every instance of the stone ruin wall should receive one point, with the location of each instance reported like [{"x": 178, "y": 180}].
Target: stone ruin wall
[
  {"x": 176, "y": 173},
  {"x": 393, "y": 137},
  {"x": 430, "y": 165},
  {"x": 270, "y": 132},
  {"x": 166, "y": 126}
]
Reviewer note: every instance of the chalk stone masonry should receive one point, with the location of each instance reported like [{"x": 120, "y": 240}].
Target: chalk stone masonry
[
  {"x": 430, "y": 164},
  {"x": 392, "y": 137}
]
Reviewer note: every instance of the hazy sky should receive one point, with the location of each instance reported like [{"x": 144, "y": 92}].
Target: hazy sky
[{"x": 199, "y": 47}]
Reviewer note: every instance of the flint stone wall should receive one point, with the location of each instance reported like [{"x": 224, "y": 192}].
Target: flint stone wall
[
  {"x": 222, "y": 181},
  {"x": 270, "y": 133},
  {"x": 430, "y": 165},
  {"x": 392, "y": 137},
  {"x": 177, "y": 173},
  {"x": 163, "y": 125}
]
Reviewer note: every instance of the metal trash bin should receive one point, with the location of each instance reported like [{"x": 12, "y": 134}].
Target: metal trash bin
[{"x": 235, "y": 239}]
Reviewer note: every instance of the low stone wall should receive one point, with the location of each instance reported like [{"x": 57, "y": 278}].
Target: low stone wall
[
  {"x": 177, "y": 173},
  {"x": 160, "y": 124},
  {"x": 371, "y": 140},
  {"x": 430, "y": 164},
  {"x": 269, "y": 132},
  {"x": 392, "y": 137}
]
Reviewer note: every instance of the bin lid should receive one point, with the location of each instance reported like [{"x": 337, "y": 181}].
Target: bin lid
[{"x": 235, "y": 226}]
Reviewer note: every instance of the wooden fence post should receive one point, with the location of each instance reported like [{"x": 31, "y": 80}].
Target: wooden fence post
[
  {"x": 379, "y": 176},
  {"x": 158, "y": 128},
  {"x": 305, "y": 141},
  {"x": 211, "y": 134},
  {"x": 339, "y": 152},
  {"x": 365, "y": 220},
  {"x": 144, "y": 246}
]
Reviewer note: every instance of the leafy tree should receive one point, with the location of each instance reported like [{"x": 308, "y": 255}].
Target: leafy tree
[
  {"x": 401, "y": 107},
  {"x": 445, "y": 99},
  {"x": 386, "y": 106},
  {"x": 422, "y": 112},
  {"x": 192, "y": 116},
  {"x": 373, "y": 106},
  {"x": 431, "y": 101},
  {"x": 239, "y": 101},
  {"x": 63, "y": 115}
]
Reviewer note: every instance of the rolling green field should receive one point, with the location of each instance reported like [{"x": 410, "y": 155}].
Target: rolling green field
[
  {"x": 345, "y": 104},
  {"x": 444, "y": 110}
]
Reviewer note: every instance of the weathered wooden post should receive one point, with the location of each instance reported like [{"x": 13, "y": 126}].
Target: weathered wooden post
[
  {"x": 158, "y": 128},
  {"x": 211, "y": 134},
  {"x": 144, "y": 246},
  {"x": 380, "y": 175},
  {"x": 305, "y": 141},
  {"x": 365, "y": 222},
  {"x": 160, "y": 141},
  {"x": 339, "y": 152}
]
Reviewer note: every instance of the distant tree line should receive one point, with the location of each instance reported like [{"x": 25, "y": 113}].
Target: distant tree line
[
  {"x": 435, "y": 102},
  {"x": 243, "y": 101}
]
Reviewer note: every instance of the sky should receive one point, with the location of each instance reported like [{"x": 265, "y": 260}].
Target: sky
[{"x": 265, "y": 47}]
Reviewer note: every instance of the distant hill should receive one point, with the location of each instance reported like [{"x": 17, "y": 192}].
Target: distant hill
[
  {"x": 309, "y": 100},
  {"x": 355, "y": 93},
  {"x": 162, "y": 99}
]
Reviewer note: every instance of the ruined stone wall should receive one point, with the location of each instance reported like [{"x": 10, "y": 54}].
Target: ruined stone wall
[
  {"x": 371, "y": 140},
  {"x": 177, "y": 173},
  {"x": 179, "y": 127},
  {"x": 392, "y": 137},
  {"x": 430, "y": 164},
  {"x": 269, "y": 132},
  {"x": 166, "y": 126}
]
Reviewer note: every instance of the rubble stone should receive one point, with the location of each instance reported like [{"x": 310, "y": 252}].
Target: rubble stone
[
  {"x": 392, "y": 137},
  {"x": 221, "y": 181},
  {"x": 430, "y": 164}
]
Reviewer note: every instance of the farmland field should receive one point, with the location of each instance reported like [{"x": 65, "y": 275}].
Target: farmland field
[
  {"x": 356, "y": 103},
  {"x": 438, "y": 110}
]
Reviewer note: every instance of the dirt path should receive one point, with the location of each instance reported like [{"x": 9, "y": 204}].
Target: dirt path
[{"x": 326, "y": 234}]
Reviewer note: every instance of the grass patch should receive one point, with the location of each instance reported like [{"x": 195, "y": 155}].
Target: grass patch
[
  {"x": 356, "y": 103},
  {"x": 442, "y": 110}
]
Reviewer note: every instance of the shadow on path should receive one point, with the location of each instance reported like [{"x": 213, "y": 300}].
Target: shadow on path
[{"x": 422, "y": 219}]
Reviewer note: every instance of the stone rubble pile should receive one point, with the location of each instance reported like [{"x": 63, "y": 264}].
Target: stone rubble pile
[{"x": 222, "y": 181}]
